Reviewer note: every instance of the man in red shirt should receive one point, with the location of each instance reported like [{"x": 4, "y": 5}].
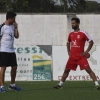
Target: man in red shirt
[{"x": 75, "y": 48}]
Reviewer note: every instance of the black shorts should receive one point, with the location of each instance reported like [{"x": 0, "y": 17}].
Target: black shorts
[{"x": 8, "y": 59}]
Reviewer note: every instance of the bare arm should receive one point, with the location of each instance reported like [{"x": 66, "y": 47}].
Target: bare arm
[
  {"x": 68, "y": 48},
  {"x": 16, "y": 33},
  {"x": 89, "y": 47}
]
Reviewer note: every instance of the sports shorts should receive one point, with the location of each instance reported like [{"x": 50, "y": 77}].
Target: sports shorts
[
  {"x": 8, "y": 59},
  {"x": 72, "y": 63}
]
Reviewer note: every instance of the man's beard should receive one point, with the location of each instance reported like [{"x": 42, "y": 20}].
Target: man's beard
[{"x": 75, "y": 27}]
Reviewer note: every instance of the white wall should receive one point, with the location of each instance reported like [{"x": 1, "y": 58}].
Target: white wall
[
  {"x": 91, "y": 24},
  {"x": 53, "y": 29},
  {"x": 41, "y": 29}
]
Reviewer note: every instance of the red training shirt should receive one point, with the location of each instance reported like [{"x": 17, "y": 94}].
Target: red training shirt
[{"x": 77, "y": 40}]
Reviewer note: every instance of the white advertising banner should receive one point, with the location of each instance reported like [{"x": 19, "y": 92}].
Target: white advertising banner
[
  {"x": 29, "y": 60},
  {"x": 60, "y": 58}
]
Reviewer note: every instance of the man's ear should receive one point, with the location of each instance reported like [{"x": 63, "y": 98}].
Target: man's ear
[{"x": 78, "y": 24}]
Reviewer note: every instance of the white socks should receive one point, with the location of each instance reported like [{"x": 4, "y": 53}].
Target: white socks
[
  {"x": 13, "y": 85},
  {"x": 61, "y": 83},
  {"x": 96, "y": 83},
  {"x": 2, "y": 86}
]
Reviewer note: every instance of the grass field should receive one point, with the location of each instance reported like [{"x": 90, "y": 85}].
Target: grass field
[{"x": 76, "y": 90}]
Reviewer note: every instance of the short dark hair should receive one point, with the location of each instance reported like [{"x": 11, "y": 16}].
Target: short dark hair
[
  {"x": 10, "y": 15},
  {"x": 76, "y": 19}
]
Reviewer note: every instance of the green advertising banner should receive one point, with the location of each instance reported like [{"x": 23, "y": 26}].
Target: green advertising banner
[{"x": 41, "y": 69}]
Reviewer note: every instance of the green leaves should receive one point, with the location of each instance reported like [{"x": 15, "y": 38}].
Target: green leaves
[
  {"x": 73, "y": 5},
  {"x": 49, "y": 6},
  {"x": 92, "y": 6},
  {"x": 2, "y": 6}
]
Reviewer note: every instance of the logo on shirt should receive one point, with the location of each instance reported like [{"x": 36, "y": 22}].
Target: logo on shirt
[
  {"x": 78, "y": 36},
  {"x": 11, "y": 35},
  {"x": 74, "y": 42}
]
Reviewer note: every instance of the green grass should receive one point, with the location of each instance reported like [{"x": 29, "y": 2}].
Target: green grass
[{"x": 73, "y": 90}]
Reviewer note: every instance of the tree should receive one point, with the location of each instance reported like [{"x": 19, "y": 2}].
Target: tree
[
  {"x": 2, "y": 6},
  {"x": 41, "y": 6},
  {"x": 92, "y": 6},
  {"x": 49, "y": 6},
  {"x": 98, "y": 7},
  {"x": 20, "y": 5},
  {"x": 73, "y": 5},
  {"x": 36, "y": 6}
]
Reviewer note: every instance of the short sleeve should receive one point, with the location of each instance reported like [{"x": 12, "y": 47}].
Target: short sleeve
[
  {"x": 87, "y": 37},
  {"x": 1, "y": 31},
  {"x": 69, "y": 39}
]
